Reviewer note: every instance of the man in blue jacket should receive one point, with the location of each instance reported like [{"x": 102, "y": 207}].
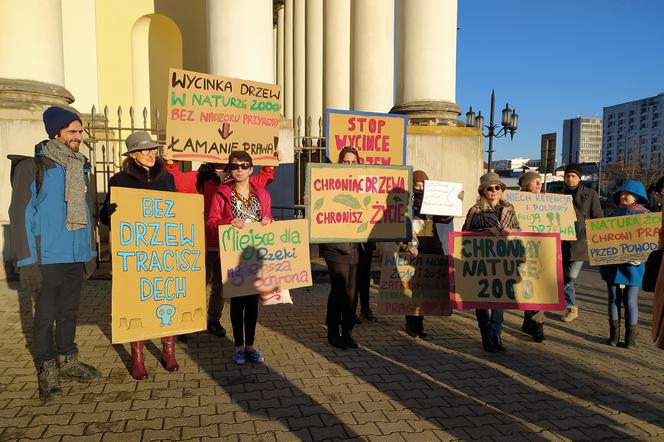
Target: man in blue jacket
[{"x": 51, "y": 226}]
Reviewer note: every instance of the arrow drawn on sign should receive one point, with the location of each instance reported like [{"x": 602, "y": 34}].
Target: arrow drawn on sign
[{"x": 226, "y": 131}]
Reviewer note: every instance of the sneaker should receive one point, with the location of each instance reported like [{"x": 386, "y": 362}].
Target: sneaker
[
  {"x": 216, "y": 329},
  {"x": 47, "y": 378},
  {"x": 239, "y": 357},
  {"x": 254, "y": 356},
  {"x": 571, "y": 314},
  {"x": 71, "y": 369}
]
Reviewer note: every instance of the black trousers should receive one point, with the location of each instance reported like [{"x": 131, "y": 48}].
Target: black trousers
[
  {"x": 57, "y": 303},
  {"x": 364, "y": 276},
  {"x": 342, "y": 299},
  {"x": 244, "y": 315}
]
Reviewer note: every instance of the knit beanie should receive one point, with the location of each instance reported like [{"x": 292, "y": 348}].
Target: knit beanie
[
  {"x": 573, "y": 168},
  {"x": 490, "y": 179},
  {"x": 419, "y": 176},
  {"x": 527, "y": 178},
  {"x": 56, "y": 118}
]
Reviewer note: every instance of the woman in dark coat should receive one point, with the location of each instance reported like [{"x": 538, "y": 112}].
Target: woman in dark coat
[
  {"x": 341, "y": 260},
  {"x": 142, "y": 169},
  {"x": 624, "y": 280}
]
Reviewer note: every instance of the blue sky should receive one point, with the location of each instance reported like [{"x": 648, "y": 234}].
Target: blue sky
[{"x": 556, "y": 59}]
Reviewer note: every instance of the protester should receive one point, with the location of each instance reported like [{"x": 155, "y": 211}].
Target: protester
[
  {"x": 421, "y": 243},
  {"x": 492, "y": 215},
  {"x": 205, "y": 181},
  {"x": 586, "y": 205},
  {"x": 533, "y": 320},
  {"x": 624, "y": 280},
  {"x": 142, "y": 169},
  {"x": 658, "y": 300},
  {"x": 239, "y": 203},
  {"x": 50, "y": 225},
  {"x": 341, "y": 260},
  {"x": 655, "y": 195}
]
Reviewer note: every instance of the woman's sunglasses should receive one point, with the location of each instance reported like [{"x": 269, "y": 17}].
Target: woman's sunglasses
[
  {"x": 493, "y": 188},
  {"x": 236, "y": 166}
]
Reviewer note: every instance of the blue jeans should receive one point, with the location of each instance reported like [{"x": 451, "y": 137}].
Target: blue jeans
[
  {"x": 490, "y": 323},
  {"x": 627, "y": 296},
  {"x": 571, "y": 270}
]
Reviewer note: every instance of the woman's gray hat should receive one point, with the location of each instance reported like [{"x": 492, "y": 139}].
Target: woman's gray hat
[
  {"x": 140, "y": 140},
  {"x": 490, "y": 179}
]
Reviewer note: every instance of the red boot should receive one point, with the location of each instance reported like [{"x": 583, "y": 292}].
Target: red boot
[
  {"x": 138, "y": 370},
  {"x": 168, "y": 354}
]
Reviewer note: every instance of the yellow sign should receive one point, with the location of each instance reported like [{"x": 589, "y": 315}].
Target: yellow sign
[
  {"x": 544, "y": 213},
  {"x": 158, "y": 254},
  {"x": 408, "y": 282},
  {"x": 621, "y": 239},
  {"x": 356, "y": 203},
  {"x": 259, "y": 259},
  {"x": 522, "y": 271},
  {"x": 209, "y": 116},
  {"x": 379, "y": 138}
]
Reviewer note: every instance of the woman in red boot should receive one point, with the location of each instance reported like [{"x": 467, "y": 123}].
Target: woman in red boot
[{"x": 142, "y": 169}]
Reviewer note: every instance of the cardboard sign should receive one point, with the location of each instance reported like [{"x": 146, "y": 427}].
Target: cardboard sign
[
  {"x": 357, "y": 203},
  {"x": 259, "y": 259},
  {"x": 158, "y": 254},
  {"x": 379, "y": 138},
  {"x": 621, "y": 239},
  {"x": 544, "y": 213},
  {"x": 209, "y": 116},
  {"x": 407, "y": 282},
  {"x": 441, "y": 198},
  {"x": 522, "y": 271}
]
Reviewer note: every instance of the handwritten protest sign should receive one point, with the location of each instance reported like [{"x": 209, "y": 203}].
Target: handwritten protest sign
[
  {"x": 209, "y": 116},
  {"x": 441, "y": 198},
  {"x": 380, "y": 138},
  {"x": 621, "y": 239},
  {"x": 408, "y": 282},
  {"x": 259, "y": 259},
  {"x": 544, "y": 213},
  {"x": 522, "y": 271},
  {"x": 355, "y": 203},
  {"x": 158, "y": 254}
]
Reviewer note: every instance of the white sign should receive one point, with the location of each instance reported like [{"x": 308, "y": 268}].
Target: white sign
[{"x": 441, "y": 198}]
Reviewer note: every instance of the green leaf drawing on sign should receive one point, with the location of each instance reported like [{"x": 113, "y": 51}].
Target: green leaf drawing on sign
[
  {"x": 396, "y": 199},
  {"x": 319, "y": 203},
  {"x": 367, "y": 200},
  {"x": 347, "y": 200},
  {"x": 362, "y": 227}
]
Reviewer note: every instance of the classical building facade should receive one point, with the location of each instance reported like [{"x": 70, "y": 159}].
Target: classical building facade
[
  {"x": 365, "y": 55},
  {"x": 634, "y": 133},
  {"x": 582, "y": 140}
]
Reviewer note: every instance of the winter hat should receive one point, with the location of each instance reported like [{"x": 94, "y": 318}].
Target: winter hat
[
  {"x": 490, "y": 179},
  {"x": 636, "y": 188},
  {"x": 140, "y": 140},
  {"x": 527, "y": 178},
  {"x": 419, "y": 176},
  {"x": 56, "y": 118},
  {"x": 573, "y": 168}
]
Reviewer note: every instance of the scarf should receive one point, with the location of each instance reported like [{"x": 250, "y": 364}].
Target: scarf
[
  {"x": 631, "y": 209},
  {"x": 77, "y": 217}
]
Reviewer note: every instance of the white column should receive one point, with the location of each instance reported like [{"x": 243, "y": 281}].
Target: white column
[
  {"x": 336, "y": 41},
  {"x": 372, "y": 55},
  {"x": 426, "y": 67},
  {"x": 299, "y": 60},
  {"x": 31, "y": 43},
  {"x": 314, "y": 72},
  {"x": 240, "y": 39},
  {"x": 288, "y": 59},
  {"x": 280, "y": 53}
]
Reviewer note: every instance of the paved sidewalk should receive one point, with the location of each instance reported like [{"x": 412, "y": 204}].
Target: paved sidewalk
[{"x": 571, "y": 386}]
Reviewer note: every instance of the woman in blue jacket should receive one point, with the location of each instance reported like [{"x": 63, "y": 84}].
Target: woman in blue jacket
[{"x": 624, "y": 280}]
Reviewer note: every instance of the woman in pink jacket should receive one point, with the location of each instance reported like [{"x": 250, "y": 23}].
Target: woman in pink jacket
[{"x": 238, "y": 203}]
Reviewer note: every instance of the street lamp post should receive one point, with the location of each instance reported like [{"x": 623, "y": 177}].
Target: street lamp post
[{"x": 509, "y": 122}]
